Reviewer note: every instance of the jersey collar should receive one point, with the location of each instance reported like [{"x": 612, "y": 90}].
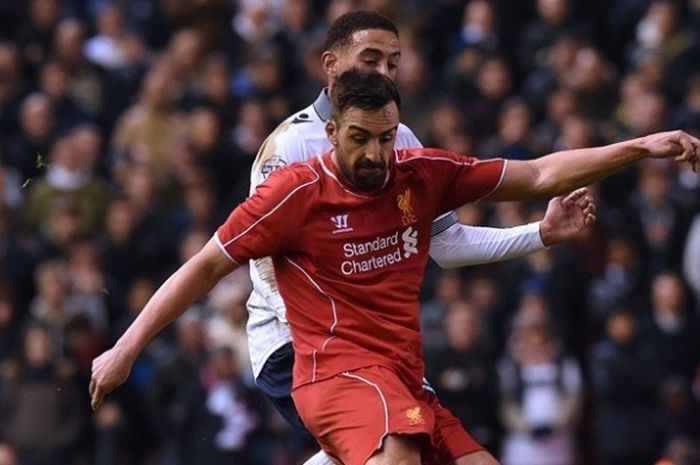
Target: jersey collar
[{"x": 322, "y": 105}]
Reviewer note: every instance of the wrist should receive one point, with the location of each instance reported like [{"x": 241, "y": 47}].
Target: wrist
[
  {"x": 127, "y": 350},
  {"x": 547, "y": 235}
]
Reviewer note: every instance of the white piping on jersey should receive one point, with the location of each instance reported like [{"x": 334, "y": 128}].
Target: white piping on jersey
[
  {"x": 500, "y": 180},
  {"x": 455, "y": 162},
  {"x": 306, "y": 184},
  {"x": 330, "y": 173},
  {"x": 223, "y": 249},
  {"x": 347, "y": 374},
  {"x": 331, "y": 330}
]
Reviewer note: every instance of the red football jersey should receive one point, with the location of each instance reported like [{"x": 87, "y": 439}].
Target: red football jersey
[{"x": 350, "y": 265}]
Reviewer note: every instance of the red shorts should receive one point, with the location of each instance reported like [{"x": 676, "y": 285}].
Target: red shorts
[{"x": 351, "y": 413}]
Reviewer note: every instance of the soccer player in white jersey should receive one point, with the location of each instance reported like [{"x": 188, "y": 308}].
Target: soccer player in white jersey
[{"x": 362, "y": 40}]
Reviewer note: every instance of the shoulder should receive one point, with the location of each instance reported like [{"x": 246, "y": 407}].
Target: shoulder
[
  {"x": 292, "y": 141},
  {"x": 301, "y": 126}
]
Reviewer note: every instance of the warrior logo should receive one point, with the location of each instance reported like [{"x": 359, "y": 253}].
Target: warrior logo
[{"x": 341, "y": 223}]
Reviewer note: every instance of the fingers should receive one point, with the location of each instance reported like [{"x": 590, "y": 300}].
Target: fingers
[
  {"x": 96, "y": 398},
  {"x": 96, "y": 393},
  {"x": 574, "y": 197},
  {"x": 690, "y": 149},
  {"x": 589, "y": 219}
]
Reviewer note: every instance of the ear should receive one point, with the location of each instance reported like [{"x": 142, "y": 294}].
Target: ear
[
  {"x": 332, "y": 132},
  {"x": 330, "y": 63}
]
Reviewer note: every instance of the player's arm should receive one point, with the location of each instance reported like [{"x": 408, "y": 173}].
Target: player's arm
[
  {"x": 193, "y": 280},
  {"x": 460, "y": 245},
  {"x": 561, "y": 172}
]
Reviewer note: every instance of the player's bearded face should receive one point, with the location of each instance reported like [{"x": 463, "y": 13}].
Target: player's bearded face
[{"x": 364, "y": 146}]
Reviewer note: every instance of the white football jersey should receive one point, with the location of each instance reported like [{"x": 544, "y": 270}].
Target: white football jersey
[{"x": 298, "y": 138}]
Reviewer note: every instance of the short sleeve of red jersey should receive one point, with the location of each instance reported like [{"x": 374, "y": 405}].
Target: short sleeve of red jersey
[
  {"x": 463, "y": 179},
  {"x": 265, "y": 223}
]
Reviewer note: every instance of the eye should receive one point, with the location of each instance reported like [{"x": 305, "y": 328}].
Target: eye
[
  {"x": 358, "y": 139},
  {"x": 370, "y": 62}
]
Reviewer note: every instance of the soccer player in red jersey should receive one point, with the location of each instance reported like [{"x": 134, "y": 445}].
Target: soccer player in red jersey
[{"x": 348, "y": 233}]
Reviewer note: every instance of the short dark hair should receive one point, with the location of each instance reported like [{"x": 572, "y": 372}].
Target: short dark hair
[
  {"x": 342, "y": 29},
  {"x": 367, "y": 90}
]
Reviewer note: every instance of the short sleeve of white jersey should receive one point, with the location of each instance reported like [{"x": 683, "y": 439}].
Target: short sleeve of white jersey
[
  {"x": 405, "y": 139},
  {"x": 281, "y": 148}
]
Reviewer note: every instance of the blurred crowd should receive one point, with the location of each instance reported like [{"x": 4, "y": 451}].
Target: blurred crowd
[{"x": 127, "y": 132}]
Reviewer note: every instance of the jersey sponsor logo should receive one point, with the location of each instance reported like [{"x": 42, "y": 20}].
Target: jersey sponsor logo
[
  {"x": 380, "y": 252},
  {"x": 414, "y": 416},
  {"x": 271, "y": 165},
  {"x": 410, "y": 241},
  {"x": 341, "y": 223},
  {"x": 404, "y": 202}
]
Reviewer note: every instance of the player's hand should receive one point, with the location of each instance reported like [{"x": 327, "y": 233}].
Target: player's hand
[
  {"x": 109, "y": 371},
  {"x": 673, "y": 144},
  {"x": 567, "y": 216}
]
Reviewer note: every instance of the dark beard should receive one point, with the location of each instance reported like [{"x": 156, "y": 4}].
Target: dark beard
[{"x": 368, "y": 176}]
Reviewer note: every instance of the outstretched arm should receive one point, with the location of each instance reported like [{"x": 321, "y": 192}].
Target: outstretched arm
[
  {"x": 564, "y": 171},
  {"x": 190, "y": 282},
  {"x": 461, "y": 245}
]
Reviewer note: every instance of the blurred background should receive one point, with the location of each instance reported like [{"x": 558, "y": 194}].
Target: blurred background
[{"x": 127, "y": 131}]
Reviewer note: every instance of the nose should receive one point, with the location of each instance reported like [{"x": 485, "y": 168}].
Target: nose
[
  {"x": 383, "y": 68},
  {"x": 373, "y": 151}
]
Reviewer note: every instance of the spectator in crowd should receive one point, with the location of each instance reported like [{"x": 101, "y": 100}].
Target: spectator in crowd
[
  {"x": 463, "y": 373},
  {"x": 625, "y": 377},
  {"x": 541, "y": 396},
  {"x": 662, "y": 223},
  {"x": 226, "y": 328},
  {"x": 148, "y": 131},
  {"x": 672, "y": 327},
  {"x": 106, "y": 47},
  {"x": 555, "y": 19},
  {"x": 448, "y": 290},
  {"x": 69, "y": 179},
  {"x": 691, "y": 260},
  {"x": 619, "y": 285},
  {"x": 86, "y": 82},
  {"x": 9, "y": 323},
  {"x": 42, "y": 412},
  {"x": 11, "y": 90},
  {"x": 215, "y": 406},
  {"x": 28, "y": 149},
  {"x": 680, "y": 411}
]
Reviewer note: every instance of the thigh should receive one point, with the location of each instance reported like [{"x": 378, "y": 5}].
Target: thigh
[
  {"x": 396, "y": 449},
  {"x": 450, "y": 439},
  {"x": 477, "y": 458},
  {"x": 352, "y": 413}
]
